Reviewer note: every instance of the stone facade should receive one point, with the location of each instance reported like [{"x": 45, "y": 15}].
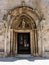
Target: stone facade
[{"x": 38, "y": 10}]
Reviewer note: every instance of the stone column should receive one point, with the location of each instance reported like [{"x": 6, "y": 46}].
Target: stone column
[
  {"x": 16, "y": 44},
  {"x": 11, "y": 41},
  {"x": 36, "y": 43},
  {"x": 42, "y": 45},
  {"x": 8, "y": 42},
  {"x": 5, "y": 43},
  {"x": 32, "y": 42}
]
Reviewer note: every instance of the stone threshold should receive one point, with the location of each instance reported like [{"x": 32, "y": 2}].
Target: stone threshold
[{"x": 24, "y": 56}]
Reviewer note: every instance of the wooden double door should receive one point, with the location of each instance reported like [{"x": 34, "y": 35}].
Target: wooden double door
[{"x": 23, "y": 43}]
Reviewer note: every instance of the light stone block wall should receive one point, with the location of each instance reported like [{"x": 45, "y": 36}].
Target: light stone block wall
[
  {"x": 4, "y": 39},
  {"x": 1, "y": 36},
  {"x": 43, "y": 36}
]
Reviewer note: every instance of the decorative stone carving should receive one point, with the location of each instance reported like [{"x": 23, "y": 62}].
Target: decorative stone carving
[
  {"x": 23, "y": 3},
  {"x": 23, "y": 23}
]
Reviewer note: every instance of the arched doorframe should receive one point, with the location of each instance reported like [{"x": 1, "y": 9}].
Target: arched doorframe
[
  {"x": 34, "y": 16},
  {"x": 33, "y": 39}
]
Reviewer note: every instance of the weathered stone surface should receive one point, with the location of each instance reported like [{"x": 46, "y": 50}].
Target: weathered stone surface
[{"x": 43, "y": 28}]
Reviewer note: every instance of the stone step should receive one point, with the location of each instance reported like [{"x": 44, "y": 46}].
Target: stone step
[{"x": 23, "y": 56}]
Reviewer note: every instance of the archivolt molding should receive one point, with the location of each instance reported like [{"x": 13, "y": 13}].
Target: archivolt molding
[
  {"x": 16, "y": 13},
  {"x": 22, "y": 10},
  {"x": 28, "y": 19}
]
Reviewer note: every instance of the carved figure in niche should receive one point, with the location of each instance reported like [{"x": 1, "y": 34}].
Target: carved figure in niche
[{"x": 23, "y": 24}]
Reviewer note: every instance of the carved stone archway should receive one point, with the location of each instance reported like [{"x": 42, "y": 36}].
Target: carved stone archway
[
  {"x": 25, "y": 24},
  {"x": 30, "y": 18}
]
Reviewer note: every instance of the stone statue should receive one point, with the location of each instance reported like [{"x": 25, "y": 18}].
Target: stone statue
[{"x": 23, "y": 24}]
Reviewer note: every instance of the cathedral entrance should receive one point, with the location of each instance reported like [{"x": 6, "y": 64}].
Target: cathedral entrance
[
  {"x": 23, "y": 43},
  {"x": 23, "y": 32}
]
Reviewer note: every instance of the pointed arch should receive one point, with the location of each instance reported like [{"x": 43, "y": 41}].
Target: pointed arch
[{"x": 31, "y": 18}]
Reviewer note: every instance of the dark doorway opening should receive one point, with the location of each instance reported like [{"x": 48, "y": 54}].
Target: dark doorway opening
[{"x": 23, "y": 45}]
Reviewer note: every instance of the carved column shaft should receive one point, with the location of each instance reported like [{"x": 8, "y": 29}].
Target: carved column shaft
[
  {"x": 11, "y": 41},
  {"x": 36, "y": 43},
  {"x": 5, "y": 41}
]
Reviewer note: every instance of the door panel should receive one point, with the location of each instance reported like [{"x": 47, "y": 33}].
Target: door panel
[{"x": 23, "y": 43}]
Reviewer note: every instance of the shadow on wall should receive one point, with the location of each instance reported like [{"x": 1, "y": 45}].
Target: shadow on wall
[{"x": 12, "y": 59}]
